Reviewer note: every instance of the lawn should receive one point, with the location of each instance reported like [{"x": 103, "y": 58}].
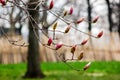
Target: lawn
[{"x": 60, "y": 71}]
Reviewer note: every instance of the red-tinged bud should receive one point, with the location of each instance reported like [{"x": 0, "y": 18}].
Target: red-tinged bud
[
  {"x": 71, "y": 11},
  {"x": 67, "y": 29},
  {"x": 80, "y": 20},
  {"x": 51, "y": 4},
  {"x": 84, "y": 42},
  {"x": 73, "y": 49},
  {"x": 59, "y": 45},
  {"x": 87, "y": 66},
  {"x": 100, "y": 34},
  {"x": 2, "y": 2},
  {"x": 49, "y": 41},
  {"x": 55, "y": 26},
  {"x": 95, "y": 19},
  {"x": 80, "y": 56}
]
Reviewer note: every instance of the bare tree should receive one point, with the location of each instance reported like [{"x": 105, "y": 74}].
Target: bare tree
[
  {"x": 33, "y": 65},
  {"x": 31, "y": 10},
  {"x": 14, "y": 19}
]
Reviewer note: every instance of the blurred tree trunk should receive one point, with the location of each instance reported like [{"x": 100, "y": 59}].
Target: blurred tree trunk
[
  {"x": 109, "y": 15},
  {"x": 89, "y": 15},
  {"x": 119, "y": 25},
  {"x": 20, "y": 28},
  {"x": 33, "y": 64},
  {"x": 13, "y": 20},
  {"x": 12, "y": 23},
  {"x": 89, "y": 9},
  {"x": 119, "y": 18},
  {"x": 110, "y": 27}
]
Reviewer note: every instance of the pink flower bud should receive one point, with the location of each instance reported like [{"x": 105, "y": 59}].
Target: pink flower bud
[
  {"x": 73, "y": 49},
  {"x": 95, "y": 19},
  {"x": 71, "y": 11},
  {"x": 51, "y": 4},
  {"x": 87, "y": 66},
  {"x": 84, "y": 42},
  {"x": 2, "y": 2},
  {"x": 100, "y": 34},
  {"x": 49, "y": 41},
  {"x": 80, "y": 20},
  {"x": 59, "y": 45}
]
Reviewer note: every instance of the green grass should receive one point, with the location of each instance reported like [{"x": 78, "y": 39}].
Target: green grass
[{"x": 60, "y": 71}]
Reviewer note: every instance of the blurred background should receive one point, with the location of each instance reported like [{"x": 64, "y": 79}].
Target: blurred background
[{"x": 107, "y": 48}]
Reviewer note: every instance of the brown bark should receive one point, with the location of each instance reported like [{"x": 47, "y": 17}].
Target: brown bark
[{"x": 33, "y": 64}]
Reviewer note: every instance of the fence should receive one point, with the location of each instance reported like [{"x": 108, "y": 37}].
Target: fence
[{"x": 102, "y": 49}]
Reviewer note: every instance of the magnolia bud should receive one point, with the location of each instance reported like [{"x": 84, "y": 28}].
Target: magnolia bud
[
  {"x": 95, "y": 19},
  {"x": 80, "y": 56},
  {"x": 100, "y": 34},
  {"x": 59, "y": 45},
  {"x": 49, "y": 41},
  {"x": 87, "y": 66},
  {"x": 67, "y": 29},
  {"x": 51, "y": 4},
  {"x": 80, "y": 20},
  {"x": 55, "y": 26},
  {"x": 65, "y": 13},
  {"x": 84, "y": 42},
  {"x": 73, "y": 49},
  {"x": 71, "y": 11},
  {"x": 2, "y": 2}
]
